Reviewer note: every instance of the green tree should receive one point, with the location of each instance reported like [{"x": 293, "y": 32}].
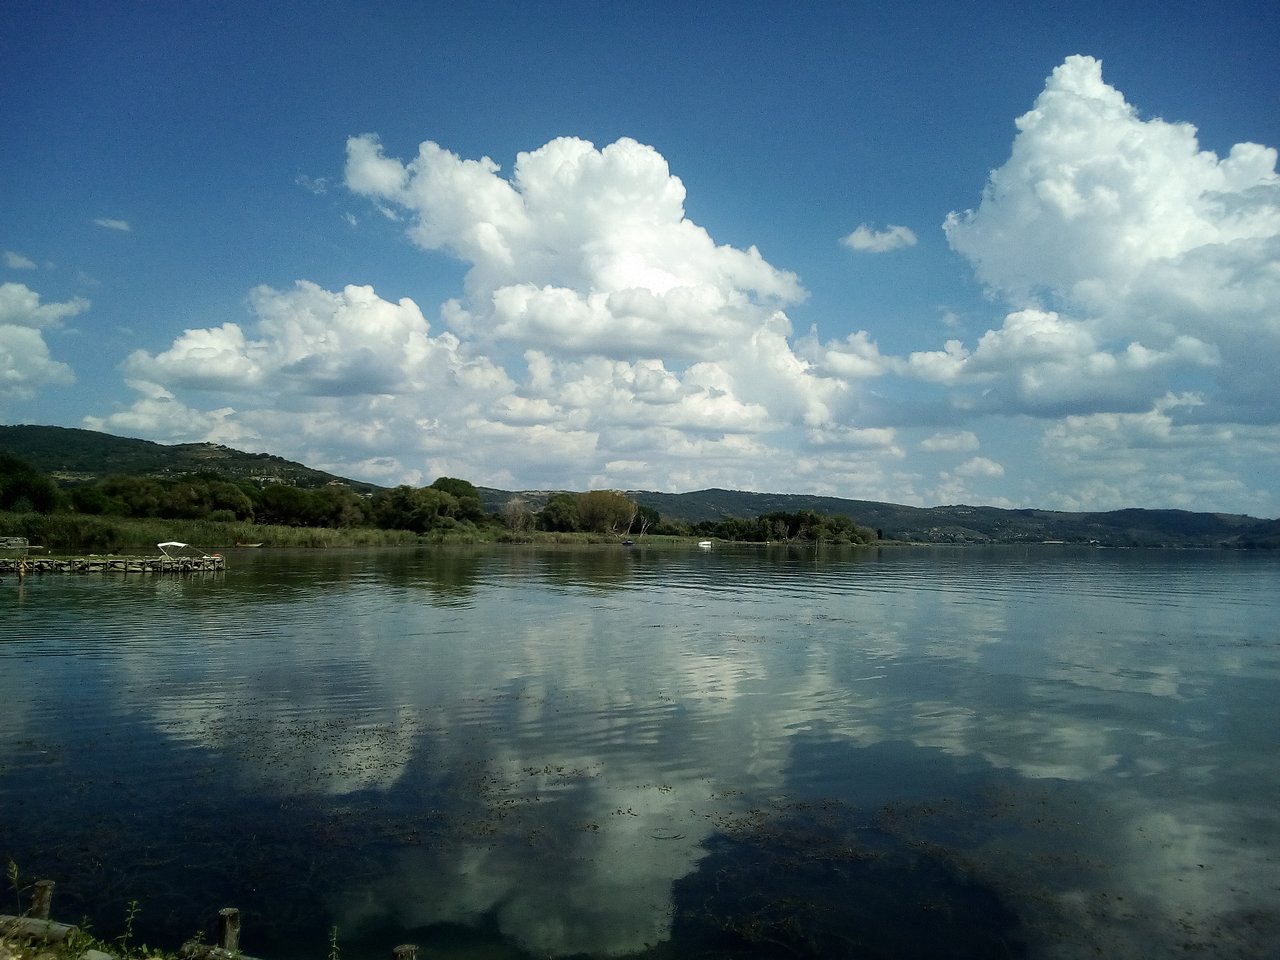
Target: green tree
[
  {"x": 22, "y": 486},
  {"x": 222, "y": 494},
  {"x": 559, "y": 514},
  {"x": 470, "y": 506},
  {"x": 671, "y": 528},
  {"x": 338, "y": 506},
  {"x": 139, "y": 496},
  {"x": 286, "y": 506},
  {"x": 605, "y": 511},
  {"x": 89, "y": 498},
  {"x": 419, "y": 510},
  {"x": 185, "y": 500},
  {"x": 435, "y": 506}
]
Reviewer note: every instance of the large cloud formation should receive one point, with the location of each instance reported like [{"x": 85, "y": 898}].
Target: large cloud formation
[
  {"x": 1135, "y": 255},
  {"x": 610, "y": 341},
  {"x": 590, "y": 247},
  {"x": 600, "y": 333},
  {"x": 26, "y": 366},
  {"x": 1146, "y": 273}
]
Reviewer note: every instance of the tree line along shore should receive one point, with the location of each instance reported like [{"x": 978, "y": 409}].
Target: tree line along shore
[{"x": 126, "y": 511}]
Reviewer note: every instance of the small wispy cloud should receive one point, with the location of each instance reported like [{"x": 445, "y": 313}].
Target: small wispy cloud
[
  {"x": 866, "y": 239},
  {"x": 980, "y": 467},
  {"x": 963, "y": 441},
  {"x": 316, "y": 185},
  {"x": 16, "y": 261},
  {"x": 112, "y": 224}
]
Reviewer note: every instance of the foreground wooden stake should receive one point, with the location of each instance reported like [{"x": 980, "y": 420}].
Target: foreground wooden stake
[
  {"x": 228, "y": 947},
  {"x": 229, "y": 929},
  {"x": 36, "y": 925},
  {"x": 41, "y": 900}
]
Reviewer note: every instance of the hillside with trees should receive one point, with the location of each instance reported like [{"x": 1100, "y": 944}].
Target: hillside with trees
[
  {"x": 85, "y": 474},
  {"x": 977, "y": 524},
  {"x": 72, "y": 455}
]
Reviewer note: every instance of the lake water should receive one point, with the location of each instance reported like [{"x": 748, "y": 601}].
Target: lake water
[{"x": 1043, "y": 752}]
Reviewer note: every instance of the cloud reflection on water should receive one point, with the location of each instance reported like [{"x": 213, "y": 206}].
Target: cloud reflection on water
[{"x": 574, "y": 742}]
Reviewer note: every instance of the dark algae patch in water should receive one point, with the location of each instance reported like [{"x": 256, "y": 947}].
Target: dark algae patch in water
[{"x": 808, "y": 883}]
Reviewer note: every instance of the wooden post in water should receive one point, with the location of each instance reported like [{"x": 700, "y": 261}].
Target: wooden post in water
[
  {"x": 229, "y": 929},
  {"x": 406, "y": 951},
  {"x": 36, "y": 925},
  {"x": 41, "y": 900}
]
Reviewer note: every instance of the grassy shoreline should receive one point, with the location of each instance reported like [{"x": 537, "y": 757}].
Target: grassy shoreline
[{"x": 69, "y": 533}]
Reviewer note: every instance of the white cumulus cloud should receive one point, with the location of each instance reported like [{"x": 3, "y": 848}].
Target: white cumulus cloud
[
  {"x": 1136, "y": 267},
  {"x": 343, "y": 377},
  {"x": 1113, "y": 460},
  {"x": 867, "y": 239},
  {"x": 20, "y": 306},
  {"x": 1157, "y": 257},
  {"x": 1042, "y": 363},
  {"x": 26, "y": 366},
  {"x": 980, "y": 467},
  {"x": 1092, "y": 195},
  {"x": 584, "y": 249},
  {"x": 600, "y": 337}
]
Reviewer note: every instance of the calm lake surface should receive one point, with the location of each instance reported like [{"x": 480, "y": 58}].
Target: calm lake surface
[{"x": 518, "y": 752}]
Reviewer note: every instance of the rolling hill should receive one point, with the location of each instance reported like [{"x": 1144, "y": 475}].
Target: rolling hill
[{"x": 73, "y": 455}]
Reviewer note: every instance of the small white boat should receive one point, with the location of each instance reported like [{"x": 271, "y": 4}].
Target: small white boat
[
  {"x": 175, "y": 550},
  {"x": 705, "y": 544}
]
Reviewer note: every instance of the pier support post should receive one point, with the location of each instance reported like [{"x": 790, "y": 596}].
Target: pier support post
[
  {"x": 229, "y": 929},
  {"x": 41, "y": 900}
]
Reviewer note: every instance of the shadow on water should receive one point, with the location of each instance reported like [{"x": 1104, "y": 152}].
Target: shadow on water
[
  {"x": 810, "y": 883},
  {"x": 804, "y": 876},
  {"x": 861, "y": 859},
  {"x": 806, "y": 882}
]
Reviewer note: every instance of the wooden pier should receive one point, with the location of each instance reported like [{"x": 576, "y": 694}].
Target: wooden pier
[{"x": 30, "y": 566}]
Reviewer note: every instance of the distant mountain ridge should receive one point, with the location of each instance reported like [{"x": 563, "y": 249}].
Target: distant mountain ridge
[
  {"x": 958, "y": 523},
  {"x": 71, "y": 455},
  {"x": 976, "y": 524}
]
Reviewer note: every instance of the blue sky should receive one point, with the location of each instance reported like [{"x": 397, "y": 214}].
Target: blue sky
[{"x": 1027, "y": 255}]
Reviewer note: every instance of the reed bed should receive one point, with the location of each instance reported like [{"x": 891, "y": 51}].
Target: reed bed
[
  {"x": 80, "y": 533},
  {"x": 76, "y": 533}
]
